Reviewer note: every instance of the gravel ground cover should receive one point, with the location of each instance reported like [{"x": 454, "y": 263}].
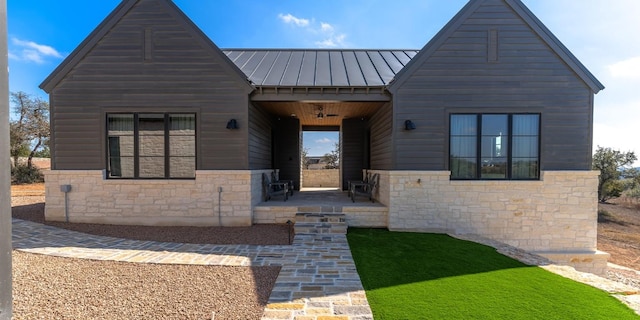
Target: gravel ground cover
[{"x": 47, "y": 287}]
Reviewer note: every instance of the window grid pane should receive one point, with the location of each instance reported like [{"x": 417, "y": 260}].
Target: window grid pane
[
  {"x": 182, "y": 167},
  {"x": 500, "y": 156},
  {"x": 152, "y": 152},
  {"x": 464, "y": 168},
  {"x": 151, "y": 167},
  {"x": 463, "y": 146},
  {"x": 120, "y": 137},
  {"x": 524, "y": 162}
]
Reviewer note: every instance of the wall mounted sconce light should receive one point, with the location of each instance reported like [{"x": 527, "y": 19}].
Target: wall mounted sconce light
[
  {"x": 409, "y": 125},
  {"x": 232, "y": 124}
]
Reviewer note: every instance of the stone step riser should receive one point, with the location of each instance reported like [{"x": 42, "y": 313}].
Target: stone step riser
[{"x": 319, "y": 223}]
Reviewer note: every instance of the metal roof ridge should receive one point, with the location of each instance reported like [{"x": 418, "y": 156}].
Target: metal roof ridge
[{"x": 311, "y": 49}]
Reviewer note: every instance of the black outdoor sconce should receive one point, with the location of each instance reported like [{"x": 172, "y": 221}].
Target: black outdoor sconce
[
  {"x": 232, "y": 124},
  {"x": 409, "y": 125}
]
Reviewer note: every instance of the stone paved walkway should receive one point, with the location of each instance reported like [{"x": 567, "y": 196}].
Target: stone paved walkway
[{"x": 318, "y": 279}]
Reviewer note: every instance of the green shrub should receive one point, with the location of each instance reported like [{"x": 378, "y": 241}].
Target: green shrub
[
  {"x": 632, "y": 198},
  {"x": 611, "y": 189},
  {"x": 22, "y": 174},
  {"x": 633, "y": 193}
]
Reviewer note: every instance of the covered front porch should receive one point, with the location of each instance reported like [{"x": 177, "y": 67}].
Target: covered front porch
[{"x": 328, "y": 201}]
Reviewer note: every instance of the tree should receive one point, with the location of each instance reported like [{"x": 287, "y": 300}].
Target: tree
[
  {"x": 332, "y": 159},
  {"x": 305, "y": 158},
  {"x": 30, "y": 130},
  {"x": 613, "y": 166}
]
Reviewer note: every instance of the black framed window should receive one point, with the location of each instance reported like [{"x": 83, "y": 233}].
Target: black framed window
[
  {"x": 494, "y": 146},
  {"x": 151, "y": 145}
]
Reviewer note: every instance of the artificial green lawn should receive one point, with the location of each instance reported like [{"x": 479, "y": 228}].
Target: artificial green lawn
[{"x": 433, "y": 276}]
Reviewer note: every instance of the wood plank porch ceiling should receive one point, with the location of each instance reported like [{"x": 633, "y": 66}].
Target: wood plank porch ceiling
[{"x": 332, "y": 112}]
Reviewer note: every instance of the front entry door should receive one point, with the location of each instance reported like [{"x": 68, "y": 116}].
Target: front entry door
[{"x": 286, "y": 149}]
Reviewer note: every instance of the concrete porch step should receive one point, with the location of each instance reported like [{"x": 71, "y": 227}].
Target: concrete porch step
[
  {"x": 320, "y": 223},
  {"x": 320, "y": 217}
]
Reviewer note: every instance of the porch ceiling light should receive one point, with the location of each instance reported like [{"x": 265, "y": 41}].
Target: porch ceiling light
[
  {"x": 232, "y": 124},
  {"x": 409, "y": 125}
]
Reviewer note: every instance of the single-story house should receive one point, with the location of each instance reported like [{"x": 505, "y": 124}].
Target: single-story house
[{"x": 487, "y": 129}]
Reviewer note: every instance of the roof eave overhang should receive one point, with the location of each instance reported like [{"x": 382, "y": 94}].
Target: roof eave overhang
[
  {"x": 85, "y": 46},
  {"x": 313, "y": 93},
  {"x": 563, "y": 52}
]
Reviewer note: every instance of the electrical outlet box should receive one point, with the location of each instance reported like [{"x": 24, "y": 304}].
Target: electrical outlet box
[{"x": 65, "y": 188}]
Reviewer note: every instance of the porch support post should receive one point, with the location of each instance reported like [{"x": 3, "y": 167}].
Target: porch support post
[{"x": 6, "y": 309}]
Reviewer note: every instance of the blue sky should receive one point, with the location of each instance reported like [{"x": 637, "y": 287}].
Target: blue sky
[{"x": 602, "y": 34}]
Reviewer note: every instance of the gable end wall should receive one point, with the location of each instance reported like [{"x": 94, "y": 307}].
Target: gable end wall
[
  {"x": 182, "y": 75},
  {"x": 528, "y": 76}
]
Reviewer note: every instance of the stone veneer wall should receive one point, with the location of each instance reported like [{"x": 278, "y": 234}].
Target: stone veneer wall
[
  {"x": 555, "y": 217},
  {"x": 325, "y": 178},
  {"x": 94, "y": 199}
]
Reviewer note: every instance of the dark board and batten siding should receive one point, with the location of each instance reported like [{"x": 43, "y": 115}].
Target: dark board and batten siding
[
  {"x": 353, "y": 156},
  {"x": 381, "y": 137},
  {"x": 286, "y": 148},
  {"x": 459, "y": 76},
  {"x": 260, "y": 124},
  {"x": 122, "y": 74}
]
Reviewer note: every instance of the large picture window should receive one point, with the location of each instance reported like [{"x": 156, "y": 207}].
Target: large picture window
[
  {"x": 151, "y": 145},
  {"x": 494, "y": 146}
]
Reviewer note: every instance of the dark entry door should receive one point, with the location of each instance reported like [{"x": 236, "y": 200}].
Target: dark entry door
[
  {"x": 355, "y": 149},
  {"x": 286, "y": 149}
]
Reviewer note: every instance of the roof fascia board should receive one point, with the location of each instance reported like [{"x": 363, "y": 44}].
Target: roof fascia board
[
  {"x": 86, "y": 45},
  {"x": 111, "y": 20},
  {"x": 362, "y": 97},
  {"x": 561, "y": 50},
  {"x": 433, "y": 45}
]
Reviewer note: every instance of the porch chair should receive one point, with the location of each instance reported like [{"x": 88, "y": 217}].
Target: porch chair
[
  {"x": 276, "y": 178},
  {"x": 271, "y": 188},
  {"x": 367, "y": 189},
  {"x": 359, "y": 183}
]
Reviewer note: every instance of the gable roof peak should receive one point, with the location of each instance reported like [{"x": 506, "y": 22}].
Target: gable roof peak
[
  {"x": 526, "y": 15},
  {"x": 112, "y": 20}
]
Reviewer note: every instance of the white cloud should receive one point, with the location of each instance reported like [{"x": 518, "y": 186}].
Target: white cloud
[
  {"x": 326, "y": 27},
  {"x": 333, "y": 41},
  {"x": 324, "y": 140},
  {"x": 616, "y": 127},
  {"x": 290, "y": 19},
  {"x": 626, "y": 69},
  {"x": 326, "y": 32},
  {"x": 33, "y": 52}
]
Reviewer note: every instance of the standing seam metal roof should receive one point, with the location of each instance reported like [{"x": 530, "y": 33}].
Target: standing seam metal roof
[{"x": 320, "y": 68}]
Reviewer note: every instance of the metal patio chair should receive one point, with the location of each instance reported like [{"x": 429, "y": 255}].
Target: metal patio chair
[
  {"x": 367, "y": 177},
  {"x": 276, "y": 178},
  {"x": 274, "y": 188},
  {"x": 363, "y": 188}
]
